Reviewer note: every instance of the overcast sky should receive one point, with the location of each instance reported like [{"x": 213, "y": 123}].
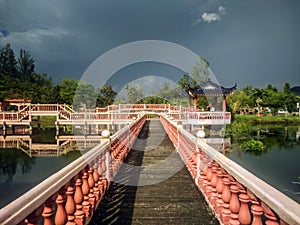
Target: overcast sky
[{"x": 246, "y": 42}]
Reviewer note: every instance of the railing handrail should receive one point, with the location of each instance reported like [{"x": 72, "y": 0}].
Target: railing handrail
[
  {"x": 13, "y": 213},
  {"x": 17, "y": 210},
  {"x": 284, "y": 206}
]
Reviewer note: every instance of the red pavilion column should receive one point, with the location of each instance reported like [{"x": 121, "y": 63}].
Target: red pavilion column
[
  {"x": 190, "y": 104},
  {"x": 224, "y": 103},
  {"x": 195, "y": 103}
]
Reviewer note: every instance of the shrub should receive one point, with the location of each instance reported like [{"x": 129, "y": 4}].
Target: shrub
[{"x": 253, "y": 145}]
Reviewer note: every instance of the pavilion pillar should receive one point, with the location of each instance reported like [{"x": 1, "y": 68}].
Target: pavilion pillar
[
  {"x": 224, "y": 103},
  {"x": 195, "y": 103},
  {"x": 215, "y": 103},
  {"x": 190, "y": 104}
]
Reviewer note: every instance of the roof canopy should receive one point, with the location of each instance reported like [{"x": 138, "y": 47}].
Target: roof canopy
[{"x": 210, "y": 88}]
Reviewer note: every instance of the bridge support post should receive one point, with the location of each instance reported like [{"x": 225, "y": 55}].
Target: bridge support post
[
  {"x": 85, "y": 128},
  {"x": 30, "y": 129},
  {"x": 4, "y": 128},
  {"x": 57, "y": 128}
]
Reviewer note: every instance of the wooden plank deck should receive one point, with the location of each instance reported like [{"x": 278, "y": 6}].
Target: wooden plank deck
[{"x": 175, "y": 200}]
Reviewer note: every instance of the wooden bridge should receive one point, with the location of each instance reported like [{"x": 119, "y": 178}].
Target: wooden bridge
[{"x": 79, "y": 192}]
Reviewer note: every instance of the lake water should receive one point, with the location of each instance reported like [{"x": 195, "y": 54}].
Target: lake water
[
  {"x": 278, "y": 165},
  {"x": 19, "y": 172}
]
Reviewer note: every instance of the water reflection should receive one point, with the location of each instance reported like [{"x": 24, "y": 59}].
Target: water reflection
[
  {"x": 278, "y": 164},
  {"x": 10, "y": 159},
  {"x": 63, "y": 144},
  {"x": 24, "y": 162},
  {"x": 19, "y": 151}
]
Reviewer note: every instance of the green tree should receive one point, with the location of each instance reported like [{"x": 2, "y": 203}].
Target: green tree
[
  {"x": 106, "y": 96},
  {"x": 7, "y": 62},
  {"x": 85, "y": 97},
  {"x": 67, "y": 89},
  {"x": 25, "y": 65},
  {"x": 185, "y": 82},
  {"x": 155, "y": 100},
  {"x": 287, "y": 88},
  {"x": 8, "y": 71},
  {"x": 238, "y": 100},
  {"x": 134, "y": 93},
  {"x": 200, "y": 72}
]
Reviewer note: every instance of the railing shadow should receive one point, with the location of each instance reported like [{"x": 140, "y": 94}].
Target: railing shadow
[{"x": 117, "y": 204}]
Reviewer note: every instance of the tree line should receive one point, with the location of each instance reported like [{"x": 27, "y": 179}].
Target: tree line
[
  {"x": 267, "y": 99},
  {"x": 18, "y": 79}
]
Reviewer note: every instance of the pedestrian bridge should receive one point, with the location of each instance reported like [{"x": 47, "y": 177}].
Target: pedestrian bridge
[{"x": 207, "y": 187}]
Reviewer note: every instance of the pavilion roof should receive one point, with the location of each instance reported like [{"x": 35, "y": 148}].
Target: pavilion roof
[{"x": 209, "y": 88}]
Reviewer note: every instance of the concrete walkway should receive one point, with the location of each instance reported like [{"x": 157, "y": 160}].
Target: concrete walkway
[{"x": 153, "y": 186}]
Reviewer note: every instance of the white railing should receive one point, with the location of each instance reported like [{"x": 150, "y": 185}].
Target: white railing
[
  {"x": 236, "y": 195},
  {"x": 84, "y": 182}
]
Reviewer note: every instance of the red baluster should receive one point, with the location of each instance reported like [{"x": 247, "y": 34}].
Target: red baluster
[
  {"x": 244, "y": 214},
  {"x": 70, "y": 205},
  {"x": 213, "y": 182},
  {"x": 96, "y": 190},
  {"x": 91, "y": 182},
  {"x": 234, "y": 219},
  {"x": 214, "y": 176},
  {"x": 86, "y": 190},
  {"x": 234, "y": 204},
  {"x": 225, "y": 216},
  {"x": 257, "y": 212},
  {"x": 271, "y": 222},
  {"x": 219, "y": 206},
  {"x": 226, "y": 195},
  {"x": 270, "y": 215},
  {"x": 61, "y": 215},
  {"x": 219, "y": 185},
  {"x": 208, "y": 173},
  {"x": 78, "y": 198},
  {"x": 48, "y": 212}
]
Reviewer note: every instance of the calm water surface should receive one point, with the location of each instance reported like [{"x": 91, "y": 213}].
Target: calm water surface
[
  {"x": 19, "y": 172},
  {"x": 279, "y": 164}
]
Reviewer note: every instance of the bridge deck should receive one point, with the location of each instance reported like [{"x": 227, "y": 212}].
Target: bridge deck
[{"x": 175, "y": 200}]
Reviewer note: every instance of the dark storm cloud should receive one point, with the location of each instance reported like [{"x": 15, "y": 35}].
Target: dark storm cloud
[{"x": 246, "y": 42}]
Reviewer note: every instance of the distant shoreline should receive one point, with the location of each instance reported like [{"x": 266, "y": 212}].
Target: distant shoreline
[{"x": 267, "y": 119}]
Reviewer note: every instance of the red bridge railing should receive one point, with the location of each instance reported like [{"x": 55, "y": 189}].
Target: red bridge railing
[
  {"x": 235, "y": 195},
  {"x": 71, "y": 195}
]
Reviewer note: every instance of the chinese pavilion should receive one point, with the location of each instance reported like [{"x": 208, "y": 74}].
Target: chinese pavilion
[{"x": 210, "y": 89}]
